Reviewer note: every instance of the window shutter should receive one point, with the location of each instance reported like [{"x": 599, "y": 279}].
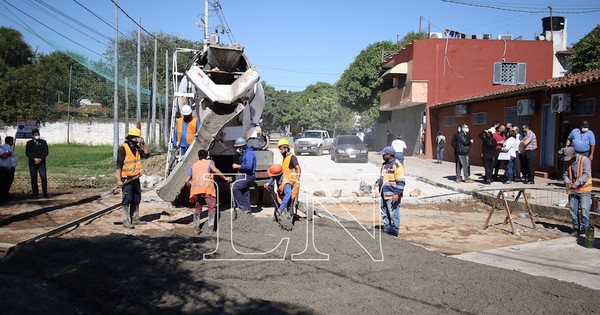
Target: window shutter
[
  {"x": 497, "y": 75},
  {"x": 521, "y": 73}
]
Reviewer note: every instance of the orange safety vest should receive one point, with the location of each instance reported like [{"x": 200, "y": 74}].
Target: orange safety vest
[
  {"x": 191, "y": 131},
  {"x": 587, "y": 186},
  {"x": 202, "y": 179},
  {"x": 289, "y": 177},
  {"x": 132, "y": 165}
]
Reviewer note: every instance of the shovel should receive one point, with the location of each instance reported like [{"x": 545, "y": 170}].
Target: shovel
[{"x": 113, "y": 191}]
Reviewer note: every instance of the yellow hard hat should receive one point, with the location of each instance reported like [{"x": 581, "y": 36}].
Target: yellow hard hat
[
  {"x": 283, "y": 141},
  {"x": 134, "y": 132}
]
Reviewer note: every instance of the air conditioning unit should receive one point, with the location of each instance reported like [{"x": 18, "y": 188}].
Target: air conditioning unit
[
  {"x": 487, "y": 36},
  {"x": 560, "y": 102},
  {"x": 505, "y": 36},
  {"x": 525, "y": 107},
  {"x": 436, "y": 35}
]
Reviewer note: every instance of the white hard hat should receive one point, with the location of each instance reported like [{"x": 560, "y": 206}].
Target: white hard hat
[
  {"x": 240, "y": 142},
  {"x": 186, "y": 110}
]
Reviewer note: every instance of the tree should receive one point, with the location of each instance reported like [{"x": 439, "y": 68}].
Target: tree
[
  {"x": 409, "y": 38},
  {"x": 277, "y": 107},
  {"x": 318, "y": 107},
  {"x": 586, "y": 54},
  {"x": 14, "y": 51},
  {"x": 360, "y": 84}
]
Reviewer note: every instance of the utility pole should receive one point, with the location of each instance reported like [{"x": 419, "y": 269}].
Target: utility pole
[
  {"x": 154, "y": 91},
  {"x": 116, "y": 86},
  {"x": 69, "y": 104},
  {"x": 205, "y": 21},
  {"x": 420, "y": 20},
  {"x": 166, "y": 119},
  {"x": 126, "y": 105},
  {"x": 138, "y": 91},
  {"x": 551, "y": 27}
]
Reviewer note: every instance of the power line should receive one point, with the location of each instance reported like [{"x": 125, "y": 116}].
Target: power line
[
  {"x": 297, "y": 71},
  {"x": 70, "y": 19},
  {"x": 134, "y": 21},
  {"x": 100, "y": 18},
  {"x": 50, "y": 28},
  {"x": 525, "y": 8}
]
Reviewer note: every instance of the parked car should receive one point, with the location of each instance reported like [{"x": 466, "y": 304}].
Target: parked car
[
  {"x": 348, "y": 148},
  {"x": 313, "y": 142}
]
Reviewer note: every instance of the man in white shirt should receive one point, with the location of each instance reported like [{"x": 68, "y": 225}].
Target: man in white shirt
[{"x": 399, "y": 145}]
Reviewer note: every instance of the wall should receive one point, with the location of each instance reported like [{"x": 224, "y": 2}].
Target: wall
[
  {"x": 88, "y": 132},
  {"x": 459, "y": 68},
  {"x": 405, "y": 122}
]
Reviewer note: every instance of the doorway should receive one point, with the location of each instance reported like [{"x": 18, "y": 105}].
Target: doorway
[{"x": 548, "y": 135}]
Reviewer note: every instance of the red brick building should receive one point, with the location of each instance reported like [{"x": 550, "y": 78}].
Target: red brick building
[
  {"x": 544, "y": 105},
  {"x": 435, "y": 71}
]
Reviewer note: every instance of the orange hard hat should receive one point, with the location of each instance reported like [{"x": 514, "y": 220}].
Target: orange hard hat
[{"x": 275, "y": 170}]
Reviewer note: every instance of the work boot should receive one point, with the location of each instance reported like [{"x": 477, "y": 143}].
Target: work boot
[
  {"x": 126, "y": 222},
  {"x": 135, "y": 218},
  {"x": 196, "y": 224}
]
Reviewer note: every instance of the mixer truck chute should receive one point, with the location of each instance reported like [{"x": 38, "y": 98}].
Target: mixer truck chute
[{"x": 225, "y": 93}]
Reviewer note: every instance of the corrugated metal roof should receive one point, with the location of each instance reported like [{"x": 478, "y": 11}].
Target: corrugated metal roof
[{"x": 583, "y": 78}]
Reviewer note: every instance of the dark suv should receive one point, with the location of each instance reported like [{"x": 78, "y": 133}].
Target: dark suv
[{"x": 348, "y": 148}]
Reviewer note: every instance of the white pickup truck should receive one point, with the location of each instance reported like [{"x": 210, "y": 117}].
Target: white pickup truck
[{"x": 313, "y": 142}]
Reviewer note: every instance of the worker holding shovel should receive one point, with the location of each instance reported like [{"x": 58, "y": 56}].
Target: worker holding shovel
[{"x": 129, "y": 170}]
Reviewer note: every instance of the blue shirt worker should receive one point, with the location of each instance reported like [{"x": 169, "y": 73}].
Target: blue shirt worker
[
  {"x": 578, "y": 181},
  {"x": 187, "y": 127},
  {"x": 241, "y": 187},
  {"x": 391, "y": 185},
  {"x": 582, "y": 140}
]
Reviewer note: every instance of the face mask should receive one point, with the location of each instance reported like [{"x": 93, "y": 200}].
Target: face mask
[
  {"x": 36, "y": 137},
  {"x": 384, "y": 158},
  {"x": 458, "y": 129},
  {"x": 239, "y": 150},
  {"x": 466, "y": 130},
  {"x": 584, "y": 129}
]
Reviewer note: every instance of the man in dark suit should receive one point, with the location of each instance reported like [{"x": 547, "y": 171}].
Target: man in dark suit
[{"x": 37, "y": 151}]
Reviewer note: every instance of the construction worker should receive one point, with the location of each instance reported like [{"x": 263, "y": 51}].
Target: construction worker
[
  {"x": 391, "y": 185},
  {"x": 202, "y": 188},
  {"x": 578, "y": 182},
  {"x": 187, "y": 127},
  {"x": 129, "y": 169},
  {"x": 241, "y": 187},
  {"x": 287, "y": 193},
  {"x": 290, "y": 161}
]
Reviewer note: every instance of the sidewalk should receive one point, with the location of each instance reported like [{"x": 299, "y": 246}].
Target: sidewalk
[{"x": 564, "y": 258}]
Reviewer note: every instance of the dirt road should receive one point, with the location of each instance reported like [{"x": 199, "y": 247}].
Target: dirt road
[{"x": 252, "y": 266}]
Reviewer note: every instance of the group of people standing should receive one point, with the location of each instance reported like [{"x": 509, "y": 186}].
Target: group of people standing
[
  {"x": 515, "y": 148},
  {"x": 36, "y": 151}
]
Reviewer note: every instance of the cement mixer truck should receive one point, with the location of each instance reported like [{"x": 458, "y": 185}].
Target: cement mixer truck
[{"x": 224, "y": 91}]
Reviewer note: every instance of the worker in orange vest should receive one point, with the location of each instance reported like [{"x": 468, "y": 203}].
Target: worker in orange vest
[
  {"x": 187, "y": 127},
  {"x": 578, "y": 181},
  {"x": 287, "y": 193},
  {"x": 129, "y": 169},
  {"x": 202, "y": 188}
]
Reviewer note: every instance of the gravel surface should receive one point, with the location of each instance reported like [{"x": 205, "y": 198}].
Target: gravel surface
[{"x": 252, "y": 266}]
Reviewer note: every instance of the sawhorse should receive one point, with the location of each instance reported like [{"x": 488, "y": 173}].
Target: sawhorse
[{"x": 502, "y": 196}]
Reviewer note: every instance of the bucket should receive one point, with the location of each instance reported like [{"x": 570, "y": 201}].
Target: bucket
[{"x": 589, "y": 237}]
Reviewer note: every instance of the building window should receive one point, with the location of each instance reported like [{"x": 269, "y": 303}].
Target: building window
[
  {"x": 584, "y": 107},
  {"x": 384, "y": 116},
  {"x": 510, "y": 116},
  {"x": 449, "y": 121},
  {"x": 479, "y": 118},
  {"x": 510, "y": 73}
]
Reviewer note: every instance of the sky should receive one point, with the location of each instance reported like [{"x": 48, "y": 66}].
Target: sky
[{"x": 293, "y": 43}]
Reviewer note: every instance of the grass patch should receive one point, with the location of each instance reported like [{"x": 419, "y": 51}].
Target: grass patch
[{"x": 89, "y": 165}]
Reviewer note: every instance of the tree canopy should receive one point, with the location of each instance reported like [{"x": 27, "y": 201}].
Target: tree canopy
[{"x": 586, "y": 54}]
